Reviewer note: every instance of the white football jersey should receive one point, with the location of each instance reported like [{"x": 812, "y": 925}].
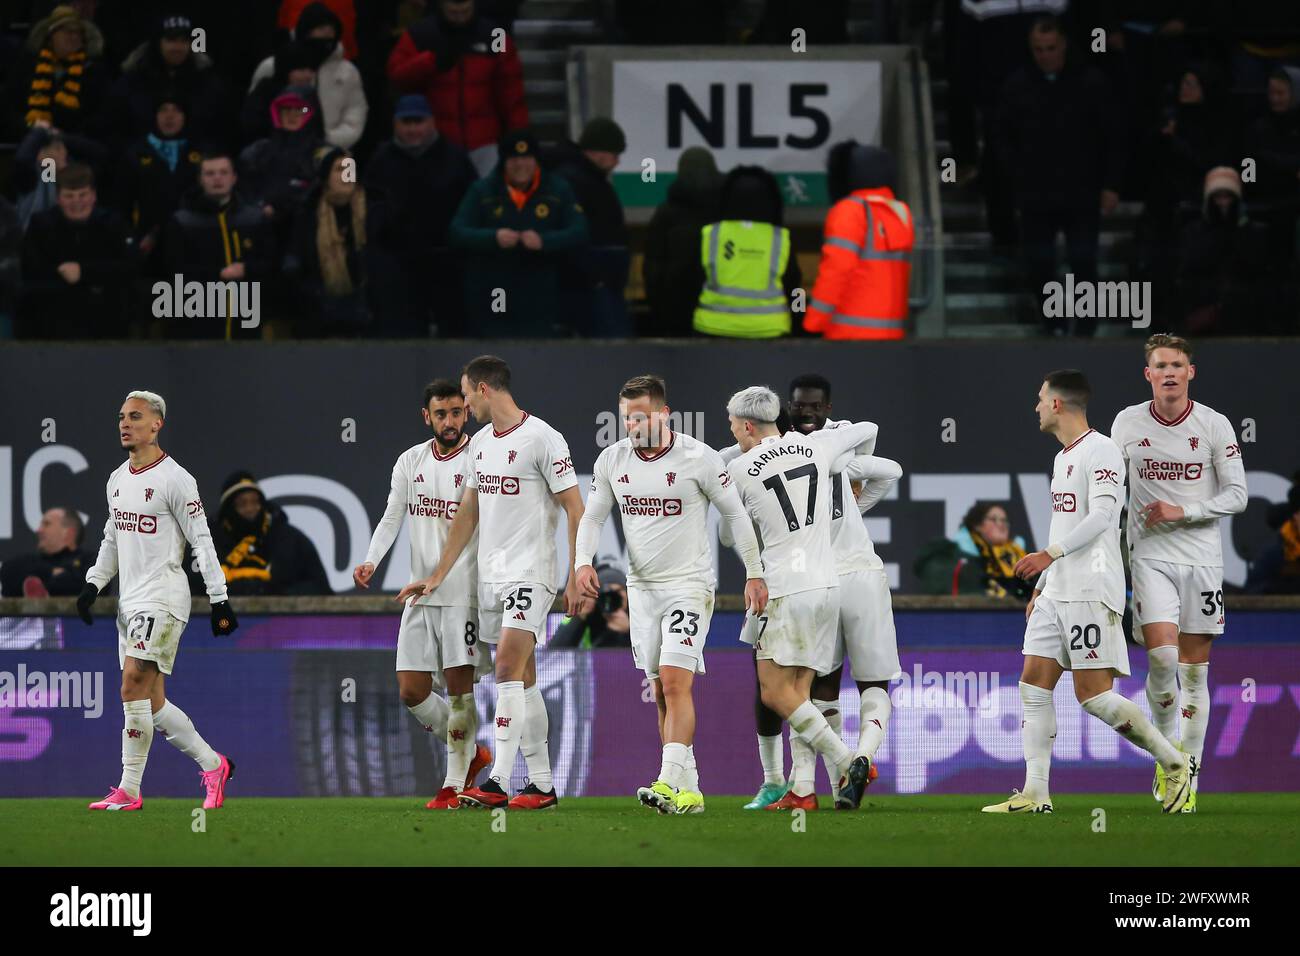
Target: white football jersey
[
  {"x": 516, "y": 472},
  {"x": 850, "y": 541},
  {"x": 1090, "y": 468},
  {"x": 1193, "y": 462},
  {"x": 151, "y": 514},
  {"x": 664, "y": 502},
  {"x": 785, "y": 484},
  {"x": 427, "y": 487}
]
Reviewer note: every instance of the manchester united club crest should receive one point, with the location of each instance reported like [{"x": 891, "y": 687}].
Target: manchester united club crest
[
  {"x": 458, "y": 479},
  {"x": 1193, "y": 441},
  {"x": 510, "y": 457},
  {"x": 671, "y": 476},
  {"x": 148, "y": 493}
]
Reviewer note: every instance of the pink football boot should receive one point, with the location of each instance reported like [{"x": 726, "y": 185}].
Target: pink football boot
[
  {"x": 215, "y": 782},
  {"x": 118, "y": 799}
]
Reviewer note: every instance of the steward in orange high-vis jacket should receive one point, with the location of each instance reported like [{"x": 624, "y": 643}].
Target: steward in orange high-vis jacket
[{"x": 861, "y": 289}]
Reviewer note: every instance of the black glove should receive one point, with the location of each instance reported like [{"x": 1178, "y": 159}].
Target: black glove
[
  {"x": 84, "y": 600},
  {"x": 223, "y": 619}
]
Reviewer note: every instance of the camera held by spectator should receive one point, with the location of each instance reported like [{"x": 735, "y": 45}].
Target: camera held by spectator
[{"x": 607, "y": 624}]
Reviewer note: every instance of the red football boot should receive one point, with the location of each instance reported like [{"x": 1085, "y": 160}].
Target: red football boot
[
  {"x": 447, "y": 799},
  {"x": 482, "y": 758},
  {"x": 530, "y": 798},
  {"x": 792, "y": 802},
  {"x": 490, "y": 796}
]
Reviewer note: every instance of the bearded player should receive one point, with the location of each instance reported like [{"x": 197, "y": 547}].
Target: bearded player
[
  {"x": 1073, "y": 618},
  {"x": 1185, "y": 472},
  {"x": 438, "y": 638},
  {"x": 663, "y": 483},
  {"x": 154, "y": 508},
  {"x": 519, "y": 476}
]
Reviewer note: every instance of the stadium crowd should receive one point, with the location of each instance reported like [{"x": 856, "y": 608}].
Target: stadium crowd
[{"x": 349, "y": 157}]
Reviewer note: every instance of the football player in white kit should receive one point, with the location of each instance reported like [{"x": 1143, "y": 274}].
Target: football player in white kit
[
  {"x": 1185, "y": 472},
  {"x": 1073, "y": 618},
  {"x": 154, "y": 508},
  {"x": 519, "y": 475},
  {"x": 785, "y": 485},
  {"x": 866, "y": 627},
  {"x": 438, "y": 637},
  {"x": 663, "y": 483}
]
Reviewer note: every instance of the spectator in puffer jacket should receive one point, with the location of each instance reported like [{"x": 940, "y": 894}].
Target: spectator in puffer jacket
[
  {"x": 338, "y": 82},
  {"x": 476, "y": 93}
]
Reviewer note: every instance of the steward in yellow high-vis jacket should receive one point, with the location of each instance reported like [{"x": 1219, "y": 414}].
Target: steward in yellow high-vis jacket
[{"x": 749, "y": 267}]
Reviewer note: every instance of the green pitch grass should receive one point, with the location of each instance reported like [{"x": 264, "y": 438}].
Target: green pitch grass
[{"x": 1231, "y": 830}]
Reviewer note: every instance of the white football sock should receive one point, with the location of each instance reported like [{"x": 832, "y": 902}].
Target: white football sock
[
  {"x": 432, "y": 713},
  {"x": 1162, "y": 688},
  {"x": 179, "y": 730},
  {"x": 1037, "y": 731},
  {"x": 808, "y": 722},
  {"x": 876, "y": 708},
  {"x": 692, "y": 771},
  {"x": 830, "y": 709},
  {"x": 137, "y": 735},
  {"x": 803, "y": 766},
  {"x": 462, "y": 731},
  {"x": 772, "y": 754},
  {"x": 537, "y": 725},
  {"x": 1195, "y": 679},
  {"x": 1124, "y": 717},
  {"x": 509, "y": 730},
  {"x": 673, "y": 769}
]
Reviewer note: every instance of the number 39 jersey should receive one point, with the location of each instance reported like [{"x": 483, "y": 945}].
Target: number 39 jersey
[
  {"x": 1088, "y": 469},
  {"x": 785, "y": 484}
]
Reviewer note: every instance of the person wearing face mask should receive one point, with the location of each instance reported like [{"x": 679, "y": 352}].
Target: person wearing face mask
[
  {"x": 327, "y": 259},
  {"x": 1227, "y": 281},
  {"x": 166, "y": 63},
  {"x": 422, "y": 177},
  {"x": 293, "y": 66},
  {"x": 155, "y": 172},
  {"x": 316, "y": 36},
  {"x": 76, "y": 259},
  {"x": 260, "y": 551}
]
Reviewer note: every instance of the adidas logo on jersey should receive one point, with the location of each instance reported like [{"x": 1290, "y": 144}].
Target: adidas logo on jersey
[
  {"x": 625, "y": 480},
  {"x": 1145, "y": 443},
  {"x": 478, "y": 457},
  {"x": 420, "y": 477},
  {"x": 1092, "y": 656},
  {"x": 116, "y": 493},
  {"x": 519, "y": 616},
  {"x": 140, "y": 646},
  {"x": 687, "y": 641}
]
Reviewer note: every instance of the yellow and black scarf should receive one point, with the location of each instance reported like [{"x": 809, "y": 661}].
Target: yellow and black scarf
[
  {"x": 1000, "y": 561},
  {"x": 44, "y": 95},
  {"x": 331, "y": 247}
]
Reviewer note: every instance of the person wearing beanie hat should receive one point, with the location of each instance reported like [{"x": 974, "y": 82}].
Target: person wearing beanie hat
[
  {"x": 293, "y": 66},
  {"x": 593, "y": 285},
  {"x": 673, "y": 274},
  {"x": 279, "y": 171},
  {"x": 57, "y": 78},
  {"x": 516, "y": 226},
  {"x": 166, "y": 64},
  {"x": 155, "y": 172},
  {"x": 605, "y": 625},
  {"x": 420, "y": 178},
  {"x": 453, "y": 57},
  {"x": 259, "y": 550},
  {"x": 1228, "y": 280},
  {"x": 317, "y": 45}
]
